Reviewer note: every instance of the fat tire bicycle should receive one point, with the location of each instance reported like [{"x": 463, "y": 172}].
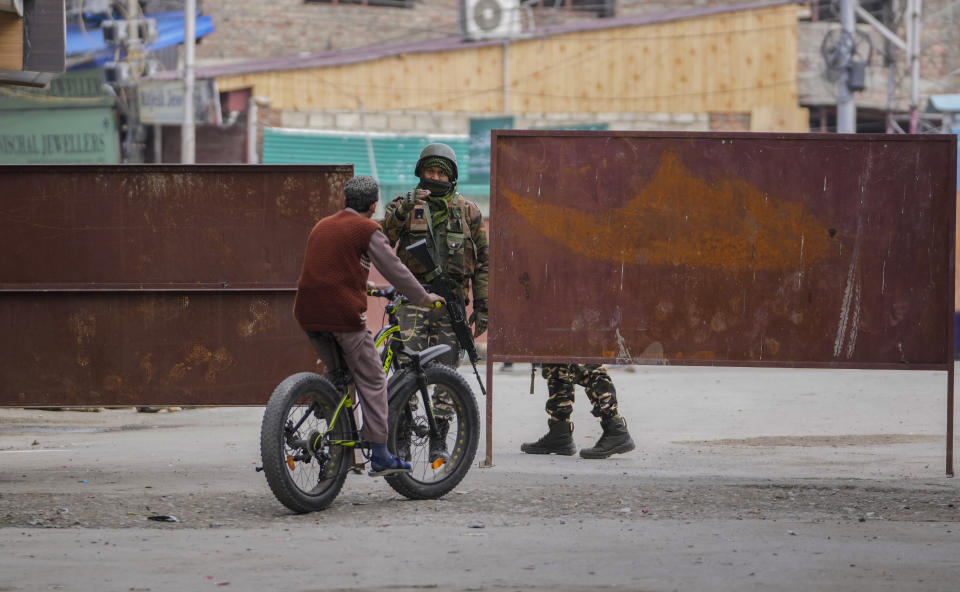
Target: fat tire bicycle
[{"x": 310, "y": 431}]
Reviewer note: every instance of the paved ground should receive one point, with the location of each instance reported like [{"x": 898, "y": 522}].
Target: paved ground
[{"x": 743, "y": 479}]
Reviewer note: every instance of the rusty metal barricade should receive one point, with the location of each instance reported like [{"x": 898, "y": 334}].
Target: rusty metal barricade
[
  {"x": 155, "y": 284},
  {"x": 728, "y": 249}
]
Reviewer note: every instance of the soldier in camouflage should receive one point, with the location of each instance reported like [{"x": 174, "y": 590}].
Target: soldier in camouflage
[
  {"x": 561, "y": 380},
  {"x": 453, "y": 229}
]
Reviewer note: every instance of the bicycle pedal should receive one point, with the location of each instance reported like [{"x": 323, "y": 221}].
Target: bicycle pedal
[{"x": 357, "y": 468}]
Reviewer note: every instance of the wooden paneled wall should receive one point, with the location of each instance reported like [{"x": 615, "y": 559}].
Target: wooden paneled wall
[
  {"x": 11, "y": 41},
  {"x": 734, "y": 61}
]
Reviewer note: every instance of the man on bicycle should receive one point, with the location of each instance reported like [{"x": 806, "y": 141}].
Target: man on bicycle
[{"x": 331, "y": 298}]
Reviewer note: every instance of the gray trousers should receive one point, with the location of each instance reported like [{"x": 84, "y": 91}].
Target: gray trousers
[{"x": 361, "y": 356}]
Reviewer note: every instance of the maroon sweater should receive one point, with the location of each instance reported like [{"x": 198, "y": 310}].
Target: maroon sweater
[{"x": 331, "y": 292}]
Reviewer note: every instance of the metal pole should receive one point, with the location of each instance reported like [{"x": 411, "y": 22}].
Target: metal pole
[
  {"x": 252, "y": 131},
  {"x": 913, "y": 44},
  {"x": 891, "y": 64},
  {"x": 133, "y": 34},
  {"x": 134, "y": 56},
  {"x": 950, "y": 413},
  {"x": 488, "y": 443},
  {"x": 188, "y": 146},
  {"x": 846, "y": 108},
  {"x": 158, "y": 143},
  {"x": 506, "y": 77}
]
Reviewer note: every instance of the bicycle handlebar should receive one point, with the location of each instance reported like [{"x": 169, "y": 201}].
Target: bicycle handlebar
[
  {"x": 389, "y": 292},
  {"x": 456, "y": 314}
]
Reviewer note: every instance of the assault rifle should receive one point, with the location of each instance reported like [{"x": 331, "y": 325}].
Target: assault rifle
[{"x": 440, "y": 284}]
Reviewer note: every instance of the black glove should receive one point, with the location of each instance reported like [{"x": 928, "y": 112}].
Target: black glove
[
  {"x": 478, "y": 318},
  {"x": 407, "y": 203}
]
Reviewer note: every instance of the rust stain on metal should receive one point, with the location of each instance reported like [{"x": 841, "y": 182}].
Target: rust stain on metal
[
  {"x": 146, "y": 367},
  {"x": 727, "y": 249},
  {"x": 83, "y": 326},
  {"x": 155, "y": 285},
  {"x": 283, "y": 205},
  {"x": 679, "y": 218},
  {"x": 260, "y": 319},
  {"x": 117, "y": 385},
  {"x": 162, "y": 310},
  {"x": 210, "y": 362},
  {"x": 216, "y": 238}
]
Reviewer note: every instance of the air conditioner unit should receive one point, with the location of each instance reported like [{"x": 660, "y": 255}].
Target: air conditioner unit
[
  {"x": 114, "y": 32},
  {"x": 147, "y": 29},
  {"x": 490, "y": 19},
  {"x": 117, "y": 73}
]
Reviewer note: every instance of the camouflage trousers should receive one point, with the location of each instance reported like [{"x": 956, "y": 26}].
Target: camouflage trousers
[
  {"x": 421, "y": 328},
  {"x": 561, "y": 380}
]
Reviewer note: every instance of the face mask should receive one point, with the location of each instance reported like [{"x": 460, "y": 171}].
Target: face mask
[{"x": 437, "y": 188}]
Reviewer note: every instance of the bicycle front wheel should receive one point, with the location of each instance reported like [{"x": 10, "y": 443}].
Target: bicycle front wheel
[
  {"x": 303, "y": 460},
  {"x": 455, "y": 410}
]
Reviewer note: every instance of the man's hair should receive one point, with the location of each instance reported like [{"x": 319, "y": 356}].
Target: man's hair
[{"x": 361, "y": 192}]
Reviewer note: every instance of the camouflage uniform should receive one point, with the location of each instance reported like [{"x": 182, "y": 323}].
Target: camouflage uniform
[
  {"x": 463, "y": 254},
  {"x": 561, "y": 380}
]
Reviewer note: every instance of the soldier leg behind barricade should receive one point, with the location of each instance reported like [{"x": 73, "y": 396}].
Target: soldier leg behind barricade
[
  {"x": 559, "y": 406},
  {"x": 603, "y": 397},
  {"x": 421, "y": 328},
  {"x": 561, "y": 380}
]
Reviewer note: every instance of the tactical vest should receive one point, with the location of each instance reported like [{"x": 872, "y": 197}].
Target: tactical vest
[{"x": 452, "y": 242}]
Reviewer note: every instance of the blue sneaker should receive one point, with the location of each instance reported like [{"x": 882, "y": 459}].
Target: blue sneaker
[{"x": 380, "y": 467}]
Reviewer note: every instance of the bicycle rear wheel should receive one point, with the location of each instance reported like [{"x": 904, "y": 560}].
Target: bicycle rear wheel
[
  {"x": 455, "y": 406},
  {"x": 303, "y": 465}
]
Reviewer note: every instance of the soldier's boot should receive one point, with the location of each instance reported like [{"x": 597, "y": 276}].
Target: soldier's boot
[
  {"x": 558, "y": 440},
  {"x": 614, "y": 440},
  {"x": 438, "y": 445}
]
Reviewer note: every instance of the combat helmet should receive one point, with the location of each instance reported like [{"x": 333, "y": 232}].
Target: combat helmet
[{"x": 441, "y": 150}]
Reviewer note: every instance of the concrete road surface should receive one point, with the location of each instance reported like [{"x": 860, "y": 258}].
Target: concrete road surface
[{"x": 743, "y": 479}]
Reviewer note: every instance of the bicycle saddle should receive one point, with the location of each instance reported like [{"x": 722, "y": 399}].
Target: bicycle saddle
[{"x": 427, "y": 355}]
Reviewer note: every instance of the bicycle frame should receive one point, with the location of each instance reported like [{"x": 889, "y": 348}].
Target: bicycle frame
[
  {"x": 391, "y": 329},
  {"x": 346, "y": 403},
  {"x": 383, "y": 336}
]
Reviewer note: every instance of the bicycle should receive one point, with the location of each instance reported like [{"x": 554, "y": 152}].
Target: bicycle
[{"x": 310, "y": 431}]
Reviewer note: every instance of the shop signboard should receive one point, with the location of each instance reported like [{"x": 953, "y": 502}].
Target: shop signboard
[
  {"x": 161, "y": 102},
  {"x": 80, "y": 135}
]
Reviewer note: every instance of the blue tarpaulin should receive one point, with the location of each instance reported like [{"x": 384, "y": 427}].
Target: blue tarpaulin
[{"x": 86, "y": 46}]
